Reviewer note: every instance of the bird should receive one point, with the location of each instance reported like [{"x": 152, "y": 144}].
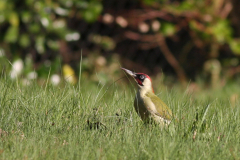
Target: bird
[{"x": 147, "y": 105}]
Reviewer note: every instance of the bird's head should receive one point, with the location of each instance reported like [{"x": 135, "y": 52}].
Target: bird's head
[{"x": 144, "y": 81}]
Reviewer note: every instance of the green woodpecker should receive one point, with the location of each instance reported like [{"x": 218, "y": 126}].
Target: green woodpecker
[{"x": 146, "y": 103}]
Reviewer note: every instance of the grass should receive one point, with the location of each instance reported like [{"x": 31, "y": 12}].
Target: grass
[{"x": 97, "y": 122}]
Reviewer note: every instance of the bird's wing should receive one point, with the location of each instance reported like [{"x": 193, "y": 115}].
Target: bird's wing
[{"x": 162, "y": 109}]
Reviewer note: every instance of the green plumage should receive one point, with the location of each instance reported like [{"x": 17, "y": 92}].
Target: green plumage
[
  {"x": 150, "y": 106},
  {"x": 161, "y": 107}
]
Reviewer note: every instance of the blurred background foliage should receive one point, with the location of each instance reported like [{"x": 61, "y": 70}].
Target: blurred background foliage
[{"x": 184, "y": 39}]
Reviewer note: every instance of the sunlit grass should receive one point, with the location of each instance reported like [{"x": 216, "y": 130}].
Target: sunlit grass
[{"x": 99, "y": 122}]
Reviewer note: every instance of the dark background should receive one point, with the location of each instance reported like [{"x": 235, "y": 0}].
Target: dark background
[{"x": 181, "y": 38}]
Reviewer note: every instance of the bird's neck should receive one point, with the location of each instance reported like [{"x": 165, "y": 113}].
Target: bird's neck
[{"x": 144, "y": 91}]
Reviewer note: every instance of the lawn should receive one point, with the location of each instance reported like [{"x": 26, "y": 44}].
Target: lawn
[{"x": 92, "y": 121}]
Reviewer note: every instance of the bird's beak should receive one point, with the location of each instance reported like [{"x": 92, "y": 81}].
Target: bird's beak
[{"x": 129, "y": 72}]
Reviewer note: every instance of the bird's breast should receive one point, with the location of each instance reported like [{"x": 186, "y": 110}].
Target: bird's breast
[{"x": 143, "y": 106}]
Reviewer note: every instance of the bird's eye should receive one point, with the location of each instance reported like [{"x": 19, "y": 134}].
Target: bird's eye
[{"x": 141, "y": 77}]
